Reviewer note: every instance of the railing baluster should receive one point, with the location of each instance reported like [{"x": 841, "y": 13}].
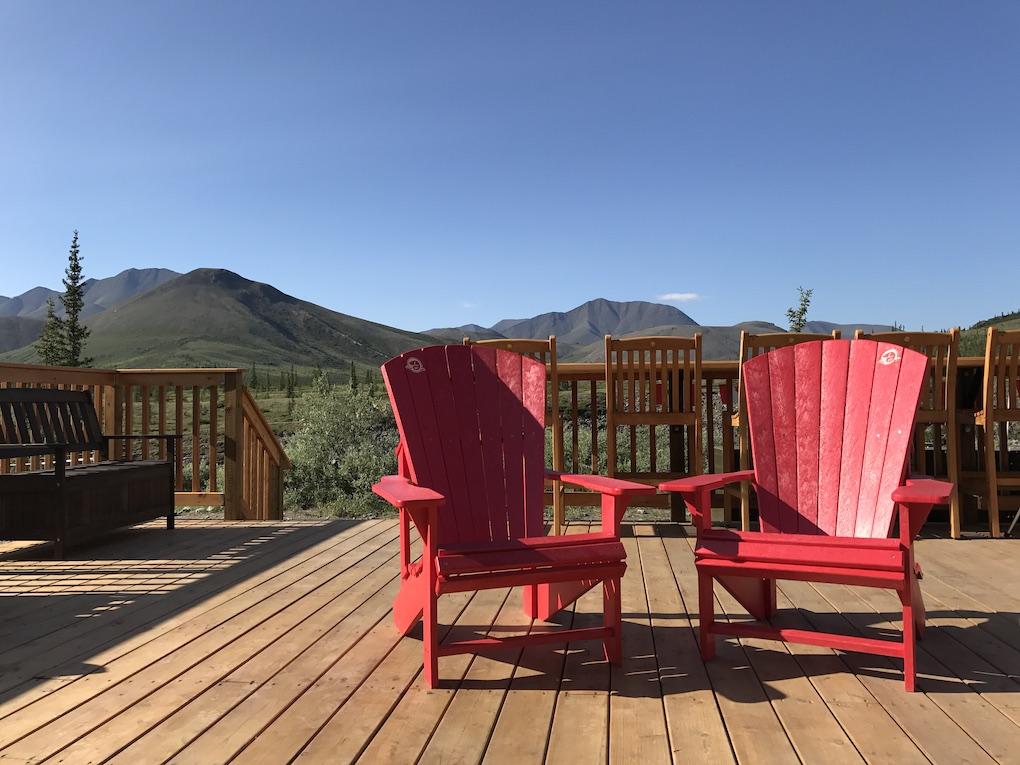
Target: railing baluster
[
  {"x": 196, "y": 438},
  {"x": 214, "y": 436},
  {"x": 146, "y": 419}
]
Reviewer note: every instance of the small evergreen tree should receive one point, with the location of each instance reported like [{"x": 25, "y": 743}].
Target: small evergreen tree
[
  {"x": 291, "y": 385},
  {"x": 354, "y": 377},
  {"x": 76, "y": 334},
  {"x": 797, "y": 317},
  {"x": 253, "y": 378},
  {"x": 50, "y": 345}
]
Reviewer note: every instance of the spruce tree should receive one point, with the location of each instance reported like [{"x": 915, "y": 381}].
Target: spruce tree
[
  {"x": 50, "y": 346},
  {"x": 75, "y": 333},
  {"x": 354, "y": 377},
  {"x": 797, "y": 317}
]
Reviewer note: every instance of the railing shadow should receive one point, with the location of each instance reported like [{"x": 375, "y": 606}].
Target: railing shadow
[{"x": 55, "y": 616}]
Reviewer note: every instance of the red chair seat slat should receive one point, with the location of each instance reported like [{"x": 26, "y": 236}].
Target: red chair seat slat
[
  {"x": 835, "y": 552},
  {"x": 530, "y": 557}
]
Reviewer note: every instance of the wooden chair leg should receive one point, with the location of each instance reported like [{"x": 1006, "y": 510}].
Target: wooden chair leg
[
  {"x": 612, "y": 616},
  {"x": 992, "y": 478},
  {"x": 953, "y": 474},
  {"x": 706, "y": 616}
]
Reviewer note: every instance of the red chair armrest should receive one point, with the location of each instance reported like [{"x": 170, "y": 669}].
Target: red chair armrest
[
  {"x": 614, "y": 487},
  {"x": 400, "y": 492},
  {"x": 922, "y": 491},
  {"x": 916, "y": 499},
  {"x": 695, "y": 483}
]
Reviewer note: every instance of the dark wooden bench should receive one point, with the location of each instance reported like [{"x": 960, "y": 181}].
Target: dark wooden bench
[{"x": 72, "y": 504}]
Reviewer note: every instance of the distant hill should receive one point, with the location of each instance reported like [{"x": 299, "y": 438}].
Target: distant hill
[
  {"x": 580, "y": 332},
  {"x": 588, "y": 323},
  {"x": 100, "y": 294},
  {"x": 594, "y": 320},
  {"x": 217, "y": 318},
  {"x": 457, "y": 334},
  {"x": 18, "y": 331},
  {"x": 972, "y": 339}
]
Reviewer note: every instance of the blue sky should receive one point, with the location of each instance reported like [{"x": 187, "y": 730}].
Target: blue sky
[{"x": 437, "y": 163}]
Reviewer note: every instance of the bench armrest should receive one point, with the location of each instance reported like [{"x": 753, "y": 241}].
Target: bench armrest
[{"x": 9, "y": 451}]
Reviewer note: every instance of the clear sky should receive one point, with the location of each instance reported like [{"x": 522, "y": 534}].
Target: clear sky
[{"x": 437, "y": 163}]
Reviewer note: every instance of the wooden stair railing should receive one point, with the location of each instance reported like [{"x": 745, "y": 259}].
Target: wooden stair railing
[
  {"x": 237, "y": 463},
  {"x": 264, "y": 464}
]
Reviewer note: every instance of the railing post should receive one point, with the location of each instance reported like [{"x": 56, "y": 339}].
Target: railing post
[
  {"x": 110, "y": 421},
  {"x": 233, "y": 448}
]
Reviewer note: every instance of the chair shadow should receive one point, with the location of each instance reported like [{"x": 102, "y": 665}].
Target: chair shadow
[
  {"x": 111, "y": 583},
  {"x": 753, "y": 673}
]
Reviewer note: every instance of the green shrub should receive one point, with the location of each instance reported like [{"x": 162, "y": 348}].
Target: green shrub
[{"x": 343, "y": 442}]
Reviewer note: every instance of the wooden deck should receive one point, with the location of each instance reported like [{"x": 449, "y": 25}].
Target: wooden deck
[{"x": 272, "y": 643}]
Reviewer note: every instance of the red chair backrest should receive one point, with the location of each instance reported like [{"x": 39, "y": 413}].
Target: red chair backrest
[
  {"x": 830, "y": 424},
  {"x": 472, "y": 426}
]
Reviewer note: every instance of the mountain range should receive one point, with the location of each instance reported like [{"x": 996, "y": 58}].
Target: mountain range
[
  {"x": 100, "y": 294},
  {"x": 580, "y": 332},
  {"x": 214, "y": 317}
]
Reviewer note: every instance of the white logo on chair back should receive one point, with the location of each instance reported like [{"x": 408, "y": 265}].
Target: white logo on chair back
[
  {"x": 414, "y": 365},
  {"x": 890, "y": 356}
]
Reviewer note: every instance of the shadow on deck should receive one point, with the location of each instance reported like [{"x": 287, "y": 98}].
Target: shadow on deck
[{"x": 272, "y": 642}]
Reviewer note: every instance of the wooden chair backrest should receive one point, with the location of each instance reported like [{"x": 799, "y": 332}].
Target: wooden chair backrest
[
  {"x": 938, "y": 393},
  {"x": 830, "y": 424},
  {"x": 50, "y": 416},
  {"x": 1002, "y": 375},
  {"x": 470, "y": 424},
  {"x": 752, "y": 345},
  {"x": 653, "y": 380}
]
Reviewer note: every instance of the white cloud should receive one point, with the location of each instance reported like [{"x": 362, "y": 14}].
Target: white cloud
[
  {"x": 679, "y": 297},
  {"x": 468, "y": 306}
]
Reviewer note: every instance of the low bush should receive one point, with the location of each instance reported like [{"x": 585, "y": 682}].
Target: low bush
[{"x": 343, "y": 442}]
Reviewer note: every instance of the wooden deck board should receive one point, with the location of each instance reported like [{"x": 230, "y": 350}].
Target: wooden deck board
[{"x": 273, "y": 643}]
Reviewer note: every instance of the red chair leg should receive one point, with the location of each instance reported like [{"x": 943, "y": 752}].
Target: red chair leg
[
  {"x": 917, "y": 603},
  {"x": 430, "y": 628},
  {"x": 706, "y": 616},
  {"x": 769, "y": 596},
  {"x": 612, "y": 616},
  {"x": 909, "y": 645}
]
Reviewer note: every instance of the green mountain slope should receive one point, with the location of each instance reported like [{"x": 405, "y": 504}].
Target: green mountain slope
[
  {"x": 213, "y": 317},
  {"x": 18, "y": 331},
  {"x": 972, "y": 339}
]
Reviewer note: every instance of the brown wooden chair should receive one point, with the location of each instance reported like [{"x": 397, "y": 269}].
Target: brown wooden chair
[
  {"x": 652, "y": 381},
  {"x": 751, "y": 346},
  {"x": 936, "y": 409},
  {"x": 544, "y": 351},
  {"x": 1000, "y": 406}
]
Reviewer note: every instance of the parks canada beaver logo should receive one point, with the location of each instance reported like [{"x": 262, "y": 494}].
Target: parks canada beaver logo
[{"x": 890, "y": 356}]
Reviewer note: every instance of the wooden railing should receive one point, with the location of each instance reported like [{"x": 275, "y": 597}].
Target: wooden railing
[
  {"x": 582, "y": 408},
  {"x": 228, "y": 455}
]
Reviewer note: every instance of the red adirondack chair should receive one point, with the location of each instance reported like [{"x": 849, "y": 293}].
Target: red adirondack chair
[
  {"x": 471, "y": 479},
  {"x": 830, "y": 425}
]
